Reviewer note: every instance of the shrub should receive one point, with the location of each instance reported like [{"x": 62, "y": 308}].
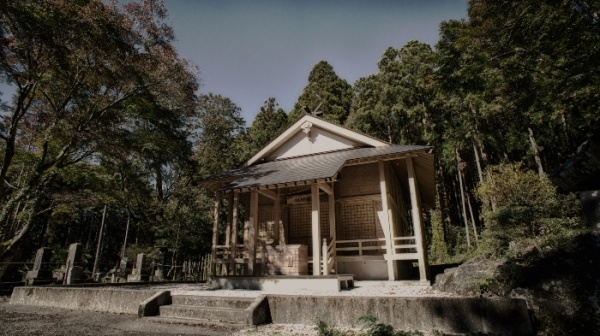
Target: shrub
[{"x": 524, "y": 208}]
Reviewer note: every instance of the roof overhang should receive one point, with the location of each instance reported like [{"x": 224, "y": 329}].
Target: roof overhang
[{"x": 324, "y": 167}]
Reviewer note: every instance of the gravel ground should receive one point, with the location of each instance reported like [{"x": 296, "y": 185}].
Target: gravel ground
[
  {"x": 362, "y": 288},
  {"x": 30, "y": 320}
]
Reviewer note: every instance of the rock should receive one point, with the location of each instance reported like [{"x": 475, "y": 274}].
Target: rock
[{"x": 467, "y": 279}]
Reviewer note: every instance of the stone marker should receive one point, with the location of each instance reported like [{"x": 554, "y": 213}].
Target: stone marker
[
  {"x": 41, "y": 271},
  {"x": 137, "y": 271},
  {"x": 73, "y": 269}
]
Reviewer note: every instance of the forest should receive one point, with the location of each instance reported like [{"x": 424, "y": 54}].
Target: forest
[{"x": 105, "y": 113}]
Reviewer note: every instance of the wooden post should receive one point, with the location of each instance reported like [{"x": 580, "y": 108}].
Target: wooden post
[
  {"x": 385, "y": 223},
  {"x": 332, "y": 229},
  {"x": 316, "y": 230},
  {"x": 252, "y": 231},
  {"x": 325, "y": 258},
  {"x": 415, "y": 202},
  {"x": 229, "y": 218},
  {"x": 234, "y": 229},
  {"x": 213, "y": 265},
  {"x": 276, "y": 219}
]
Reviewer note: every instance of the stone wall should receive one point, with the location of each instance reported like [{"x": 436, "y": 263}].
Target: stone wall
[
  {"x": 451, "y": 315},
  {"x": 120, "y": 301}
]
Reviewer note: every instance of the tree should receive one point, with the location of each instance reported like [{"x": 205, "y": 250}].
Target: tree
[
  {"x": 85, "y": 74},
  {"x": 396, "y": 103},
  {"x": 548, "y": 65},
  {"x": 325, "y": 92},
  {"x": 219, "y": 122},
  {"x": 268, "y": 123}
]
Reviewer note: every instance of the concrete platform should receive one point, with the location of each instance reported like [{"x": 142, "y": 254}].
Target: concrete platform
[{"x": 325, "y": 283}]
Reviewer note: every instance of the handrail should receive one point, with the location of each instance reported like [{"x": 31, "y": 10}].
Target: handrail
[
  {"x": 225, "y": 252},
  {"x": 360, "y": 248},
  {"x": 328, "y": 251}
]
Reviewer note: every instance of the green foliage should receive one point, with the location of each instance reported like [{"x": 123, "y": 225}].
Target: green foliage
[
  {"x": 325, "y": 329},
  {"x": 371, "y": 327},
  {"x": 325, "y": 92},
  {"x": 399, "y": 95},
  {"x": 219, "y": 122},
  {"x": 268, "y": 123},
  {"x": 527, "y": 210},
  {"x": 438, "y": 250}
]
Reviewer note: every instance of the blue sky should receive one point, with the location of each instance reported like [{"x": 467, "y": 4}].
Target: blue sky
[{"x": 252, "y": 50}]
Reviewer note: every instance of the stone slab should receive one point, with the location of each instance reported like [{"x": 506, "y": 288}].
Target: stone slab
[
  {"x": 450, "y": 315},
  {"x": 121, "y": 301}
]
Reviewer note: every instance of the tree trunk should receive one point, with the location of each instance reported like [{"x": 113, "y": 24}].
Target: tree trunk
[
  {"x": 477, "y": 161},
  {"x": 472, "y": 219},
  {"x": 462, "y": 196},
  {"x": 536, "y": 152}
]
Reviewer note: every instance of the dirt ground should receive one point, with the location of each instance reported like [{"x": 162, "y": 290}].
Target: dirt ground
[{"x": 29, "y": 320}]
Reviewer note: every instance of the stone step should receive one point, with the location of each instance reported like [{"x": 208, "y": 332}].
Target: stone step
[
  {"x": 213, "y": 325},
  {"x": 216, "y": 314},
  {"x": 211, "y": 301}
]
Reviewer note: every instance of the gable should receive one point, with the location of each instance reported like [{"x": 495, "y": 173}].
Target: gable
[
  {"x": 311, "y": 135},
  {"x": 317, "y": 140}
]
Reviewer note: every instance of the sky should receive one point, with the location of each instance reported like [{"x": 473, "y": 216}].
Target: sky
[{"x": 249, "y": 51}]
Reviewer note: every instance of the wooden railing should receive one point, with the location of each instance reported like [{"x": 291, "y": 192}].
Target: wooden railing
[
  {"x": 328, "y": 262},
  {"x": 412, "y": 245},
  {"x": 361, "y": 245},
  {"x": 224, "y": 252}
]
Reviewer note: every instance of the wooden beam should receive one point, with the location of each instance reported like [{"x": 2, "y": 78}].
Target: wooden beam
[
  {"x": 316, "y": 230},
  {"x": 416, "y": 219},
  {"x": 217, "y": 211},
  {"x": 390, "y": 157},
  {"x": 326, "y": 188},
  {"x": 268, "y": 193},
  {"x": 385, "y": 223}
]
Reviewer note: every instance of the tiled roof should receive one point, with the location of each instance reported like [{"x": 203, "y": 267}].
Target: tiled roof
[{"x": 305, "y": 168}]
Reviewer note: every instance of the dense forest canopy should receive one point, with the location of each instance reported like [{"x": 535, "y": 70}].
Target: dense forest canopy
[{"x": 105, "y": 113}]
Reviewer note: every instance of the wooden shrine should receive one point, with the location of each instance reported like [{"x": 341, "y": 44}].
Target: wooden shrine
[{"x": 321, "y": 199}]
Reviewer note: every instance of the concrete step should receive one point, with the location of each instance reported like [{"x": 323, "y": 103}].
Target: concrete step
[
  {"x": 204, "y": 313},
  {"x": 211, "y": 324},
  {"x": 211, "y": 301}
]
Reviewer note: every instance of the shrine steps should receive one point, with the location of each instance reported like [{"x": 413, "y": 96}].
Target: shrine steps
[{"x": 228, "y": 313}]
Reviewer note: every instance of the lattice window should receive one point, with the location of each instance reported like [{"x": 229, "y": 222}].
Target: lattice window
[
  {"x": 265, "y": 223},
  {"x": 300, "y": 224},
  {"x": 357, "y": 221}
]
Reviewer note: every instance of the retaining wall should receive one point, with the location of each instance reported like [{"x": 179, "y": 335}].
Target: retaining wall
[
  {"x": 99, "y": 299},
  {"x": 451, "y": 315}
]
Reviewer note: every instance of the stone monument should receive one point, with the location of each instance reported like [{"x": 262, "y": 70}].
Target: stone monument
[
  {"x": 73, "y": 269},
  {"x": 137, "y": 273},
  {"x": 41, "y": 271}
]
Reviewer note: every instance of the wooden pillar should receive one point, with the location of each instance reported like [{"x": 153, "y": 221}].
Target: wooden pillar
[
  {"x": 316, "y": 230},
  {"x": 276, "y": 219},
  {"x": 252, "y": 231},
  {"x": 385, "y": 223},
  {"x": 217, "y": 208},
  {"x": 332, "y": 229},
  {"x": 229, "y": 218},
  {"x": 415, "y": 203},
  {"x": 234, "y": 228}
]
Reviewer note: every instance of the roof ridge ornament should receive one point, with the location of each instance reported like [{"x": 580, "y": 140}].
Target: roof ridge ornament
[{"x": 306, "y": 126}]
